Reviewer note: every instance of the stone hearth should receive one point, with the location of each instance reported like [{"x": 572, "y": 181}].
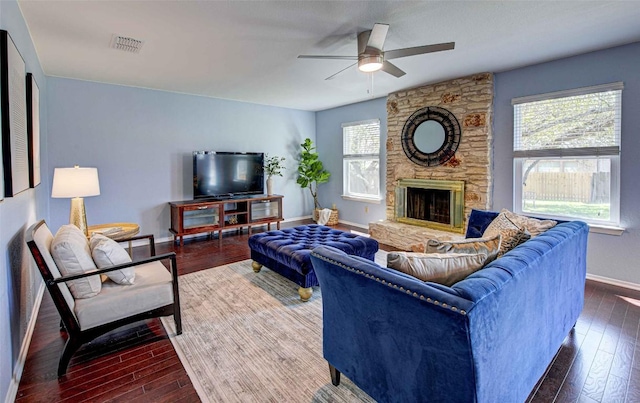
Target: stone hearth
[{"x": 470, "y": 99}]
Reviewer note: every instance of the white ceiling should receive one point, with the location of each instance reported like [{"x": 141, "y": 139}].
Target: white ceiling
[{"x": 246, "y": 50}]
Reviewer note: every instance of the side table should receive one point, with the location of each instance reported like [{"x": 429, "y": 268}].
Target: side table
[{"x": 116, "y": 231}]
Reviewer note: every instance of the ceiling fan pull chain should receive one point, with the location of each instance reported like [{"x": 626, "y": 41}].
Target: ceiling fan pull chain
[{"x": 370, "y": 82}]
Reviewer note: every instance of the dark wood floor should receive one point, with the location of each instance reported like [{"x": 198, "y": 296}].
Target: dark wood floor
[{"x": 598, "y": 362}]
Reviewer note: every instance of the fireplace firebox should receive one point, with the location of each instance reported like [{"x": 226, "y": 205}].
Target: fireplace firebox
[{"x": 431, "y": 203}]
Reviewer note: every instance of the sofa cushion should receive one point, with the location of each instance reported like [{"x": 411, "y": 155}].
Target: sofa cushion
[
  {"x": 70, "y": 250},
  {"x": 489, "y": 246},
  {"x": 512, "y": 235},
  {"x": 107, "y": 253},
  {"x": 534, "y": 226},
  {"x": 442, "y": 268}
]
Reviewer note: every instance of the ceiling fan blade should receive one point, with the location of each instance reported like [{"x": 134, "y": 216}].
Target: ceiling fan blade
[
  {"x": 346, "y": 68},
  {"x": 418, "y": 50},
  {"x": 378, "y": 36},
  {"x": 327, "y": 57},
  {"x": 392, "y": 69}
]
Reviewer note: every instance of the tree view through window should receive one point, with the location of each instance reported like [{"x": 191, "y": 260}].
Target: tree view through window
[
  {"x": 566, "y": 154},
  {"x": 361, "y": 159}
]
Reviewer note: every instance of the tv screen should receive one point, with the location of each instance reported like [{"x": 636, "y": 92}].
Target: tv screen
[{"x": 227, "y": 174}]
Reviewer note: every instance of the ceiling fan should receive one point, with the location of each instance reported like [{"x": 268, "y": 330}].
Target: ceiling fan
[{"x": 372, "y": 58}]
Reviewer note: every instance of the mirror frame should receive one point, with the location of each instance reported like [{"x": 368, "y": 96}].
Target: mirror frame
[{"x": 448, "y": 148}]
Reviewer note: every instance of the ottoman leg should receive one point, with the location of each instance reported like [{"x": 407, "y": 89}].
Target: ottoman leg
[
  {"x": 305, "y": 293},
  {"x": 256, "y": 266}
]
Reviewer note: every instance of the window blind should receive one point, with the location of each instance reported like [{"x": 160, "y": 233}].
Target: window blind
[
  {"x": 361, "y": 139},
  {"x": 581, "y": 122}
]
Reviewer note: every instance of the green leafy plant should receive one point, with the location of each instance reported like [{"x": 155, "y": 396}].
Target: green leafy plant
[
  {"x": 311, "y": 172},
  {"x": 274, "y": 165}
]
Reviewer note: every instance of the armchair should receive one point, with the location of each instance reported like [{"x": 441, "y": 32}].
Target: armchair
[{"x": 154, "y": 294}]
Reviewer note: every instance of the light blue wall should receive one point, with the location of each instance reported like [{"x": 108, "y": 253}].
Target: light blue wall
[
  {"x": 19, "y": 281},
  {"x": 142, "y": 141},
  {"x": 329, "y": 144},
  {"x": 616, "y": 257}
]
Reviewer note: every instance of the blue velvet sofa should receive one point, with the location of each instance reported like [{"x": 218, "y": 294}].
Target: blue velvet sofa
[{"x": 487, "y": 338}]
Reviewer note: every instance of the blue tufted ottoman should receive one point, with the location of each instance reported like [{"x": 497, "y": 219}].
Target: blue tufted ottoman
[{"x": 288, "y": 251}]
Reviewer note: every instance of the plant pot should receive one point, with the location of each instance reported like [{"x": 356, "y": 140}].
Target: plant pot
[
  {"x": 269, "y": 186},
  {"x": 333, "y": 218}
]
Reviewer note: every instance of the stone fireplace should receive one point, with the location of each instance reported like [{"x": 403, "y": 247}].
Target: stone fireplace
[
  {"x": 435, "y": 204},
  {"x": 470, "y": 100}
]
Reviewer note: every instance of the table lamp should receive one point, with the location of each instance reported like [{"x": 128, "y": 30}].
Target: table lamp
[{"x": 76, "y": 183}]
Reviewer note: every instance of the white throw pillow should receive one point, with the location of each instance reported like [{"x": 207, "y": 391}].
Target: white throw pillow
[
  {"x": 70, "y": 250},
  {"x": 107, "y": 253},
  {"x": 442, "y": 268}
]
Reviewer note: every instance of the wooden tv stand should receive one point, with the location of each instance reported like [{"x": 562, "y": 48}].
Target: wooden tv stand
[{"x": 211, "y": 215}]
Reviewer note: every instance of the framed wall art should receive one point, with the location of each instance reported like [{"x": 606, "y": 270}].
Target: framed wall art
[
  {"x": 33, "y": 130},
  {"x": 13, "y": 105}
]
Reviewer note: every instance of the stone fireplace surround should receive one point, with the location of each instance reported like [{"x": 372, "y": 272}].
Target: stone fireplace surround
[{"x": 470, "y": 99}]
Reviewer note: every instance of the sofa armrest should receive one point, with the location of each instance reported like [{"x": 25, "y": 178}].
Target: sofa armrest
[{"x": 170, "y": 255}]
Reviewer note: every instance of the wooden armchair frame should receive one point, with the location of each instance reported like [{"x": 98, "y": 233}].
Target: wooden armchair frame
[{"x": 78, "y": 337}]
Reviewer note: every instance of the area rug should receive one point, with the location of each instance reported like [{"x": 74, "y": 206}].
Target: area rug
[{"x": 247, "y": 337}]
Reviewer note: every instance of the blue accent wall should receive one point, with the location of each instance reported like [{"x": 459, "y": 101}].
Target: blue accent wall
[
  {"x": 329, "y": 133},
  {"x": 608, "y": 255},
  {"x": 142, "y": 141},
  {"x": 19, "y": 280}
]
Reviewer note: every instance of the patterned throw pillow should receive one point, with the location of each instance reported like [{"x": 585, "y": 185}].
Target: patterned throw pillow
[
  {"x": 70, "y": 250},
  {"x": 107, "y": 253},
  {"x": 442, "y": 268},
  {"x": 534, "y": 226},
  {"x": 512, "y": 235}
]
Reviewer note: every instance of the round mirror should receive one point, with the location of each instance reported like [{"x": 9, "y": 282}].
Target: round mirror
[{"x": 431, "y": 136}]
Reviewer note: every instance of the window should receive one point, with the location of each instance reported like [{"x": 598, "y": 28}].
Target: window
[
  {"x": 361, "y": 160},
  {"x": 566, "y": 154}
]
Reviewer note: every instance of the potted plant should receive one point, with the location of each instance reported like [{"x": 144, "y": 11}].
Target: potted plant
[
  {"x": 311, "y": 172},
  {"x": 273, "y": 166}
]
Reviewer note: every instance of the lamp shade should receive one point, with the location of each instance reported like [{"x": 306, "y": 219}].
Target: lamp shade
[{"x": 75, "y": 182}]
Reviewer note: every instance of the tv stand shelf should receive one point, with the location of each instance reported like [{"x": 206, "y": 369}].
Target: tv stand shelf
[{"x": 214, "y": 215}]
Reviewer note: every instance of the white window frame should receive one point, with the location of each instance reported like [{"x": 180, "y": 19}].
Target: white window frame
[
  {"x": 346, "y": 158},
  {"x": 611, "y": 226}
]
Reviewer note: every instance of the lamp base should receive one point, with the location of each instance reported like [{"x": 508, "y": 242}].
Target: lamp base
[{"x": 77, "y": 215}]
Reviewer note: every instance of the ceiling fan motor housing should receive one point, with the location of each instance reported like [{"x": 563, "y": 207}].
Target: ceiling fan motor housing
[{"x": 369, "y": 62}]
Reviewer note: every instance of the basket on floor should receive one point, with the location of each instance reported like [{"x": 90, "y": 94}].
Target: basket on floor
[{"x": 333, "y": 218}]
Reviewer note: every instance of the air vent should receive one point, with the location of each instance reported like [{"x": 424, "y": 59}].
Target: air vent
[{"x": 127, "y": 44}]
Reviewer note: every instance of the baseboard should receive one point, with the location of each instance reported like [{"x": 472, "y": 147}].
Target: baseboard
[
  {"x": 24, "y": 348},
  {"x": 614, "y": 282},
  {"x": 353, "y": 224}
]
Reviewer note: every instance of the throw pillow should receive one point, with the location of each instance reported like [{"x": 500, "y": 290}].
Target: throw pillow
[
  {"x": 490, "y": 246},
  {"x": 107, "y": 253},
  {"x": 512, "y": 235},
  {"x": 534, "y": 226},
  {"x": 442, "y": 268},
  {"x": 70, "y": 250}
]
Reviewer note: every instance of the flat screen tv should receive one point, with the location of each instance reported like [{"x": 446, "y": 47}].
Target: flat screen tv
[{"x": 227, "y": 174}]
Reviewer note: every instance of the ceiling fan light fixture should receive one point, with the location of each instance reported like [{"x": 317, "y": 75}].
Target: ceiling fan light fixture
[{"x": 370, "y": 63}]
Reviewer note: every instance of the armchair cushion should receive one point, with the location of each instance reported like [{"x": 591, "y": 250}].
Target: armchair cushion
[
  {"x": 70, "y": 250},
  {"x": 152, "y": 289},
  {"x": 107, "y": 253}
]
